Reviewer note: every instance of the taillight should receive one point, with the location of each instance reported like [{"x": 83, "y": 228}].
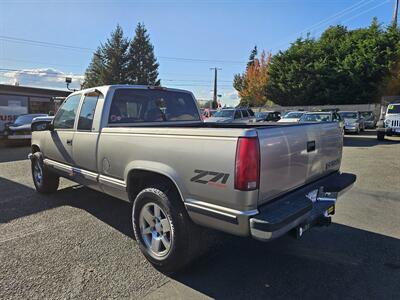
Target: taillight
[{"x": 247, "y": 166}]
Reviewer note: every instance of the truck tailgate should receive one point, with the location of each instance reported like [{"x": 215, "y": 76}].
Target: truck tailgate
[{"x": 293, "y": 155}]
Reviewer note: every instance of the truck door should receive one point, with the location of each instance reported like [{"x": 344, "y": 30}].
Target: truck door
[
  {"x": 59, "y": 143},
  {"x": 85, "y": 141}
]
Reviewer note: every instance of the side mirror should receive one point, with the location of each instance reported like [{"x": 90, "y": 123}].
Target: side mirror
[{"x": 42, "y": 125}]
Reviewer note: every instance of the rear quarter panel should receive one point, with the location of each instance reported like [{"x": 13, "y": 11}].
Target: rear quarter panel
[{"x": 181, "y": 154}]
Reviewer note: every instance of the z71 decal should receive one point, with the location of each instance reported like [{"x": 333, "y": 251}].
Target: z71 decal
[{"x": 212, "y": 178}]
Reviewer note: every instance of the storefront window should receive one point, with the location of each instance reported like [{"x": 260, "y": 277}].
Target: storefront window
[
  {"x": 39, "y": 105},
  {"x": 11, "y": 106}
]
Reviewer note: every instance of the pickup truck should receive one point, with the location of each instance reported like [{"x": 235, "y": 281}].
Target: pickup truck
[{"x": 148, "y": 145}]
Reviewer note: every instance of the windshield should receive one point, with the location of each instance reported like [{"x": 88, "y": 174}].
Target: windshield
[
  {"x": 292, "y": 115},
  {"x": 348, "y": 115},
  {"x": 26, "y": 119},
  {"x": 367, "y": 114},
  {"x": 315, "y": 118},
  {"x": 224, "y": 114},
  {"x": 261, "y": 114},
  {"x": 393, "y": 109}
]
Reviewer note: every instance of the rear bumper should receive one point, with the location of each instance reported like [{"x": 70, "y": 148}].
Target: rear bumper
[
  {"x": 301, "y": 209},
  {"x": 386, "y": 130},
  {"x": 351, "y": 128},
  {"x": 370, "y": 124}
]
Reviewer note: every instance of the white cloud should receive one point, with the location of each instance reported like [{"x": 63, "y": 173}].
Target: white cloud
[{"x": 41, "y": 77}]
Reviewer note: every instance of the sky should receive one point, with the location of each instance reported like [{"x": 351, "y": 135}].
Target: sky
[{"x": 189, "y": 37}]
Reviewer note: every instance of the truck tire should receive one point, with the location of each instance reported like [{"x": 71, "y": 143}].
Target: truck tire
[
  {"x": 380, "y": 136},
  {"x": 44, "y": 180},
  {"x": 163, "y": 229}
]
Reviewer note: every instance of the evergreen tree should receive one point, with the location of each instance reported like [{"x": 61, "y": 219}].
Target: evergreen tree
[
  {"x": 252, "y": 57},
  {"x": 142, "y": 63},
  {"x": 95, "y": 70},
  {"x": 115, "y": 57},
  {"x": 109, "y": 62}
]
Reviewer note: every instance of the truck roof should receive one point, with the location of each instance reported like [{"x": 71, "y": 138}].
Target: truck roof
[{"x": 104, "y": 88}]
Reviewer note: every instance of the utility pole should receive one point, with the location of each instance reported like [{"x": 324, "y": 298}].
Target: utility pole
[
  {"x": 215, "y": 84},
  {"x": 396, "y": 9}
]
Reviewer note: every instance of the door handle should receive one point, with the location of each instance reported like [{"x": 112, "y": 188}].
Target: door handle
[
  {"x": 69, "y": 142},
  {"x": 310, "y": 146}
]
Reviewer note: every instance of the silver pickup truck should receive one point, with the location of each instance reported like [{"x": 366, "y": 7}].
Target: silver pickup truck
[{"x": 148, "y": 145}]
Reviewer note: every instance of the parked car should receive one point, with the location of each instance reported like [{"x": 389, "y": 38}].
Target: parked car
[
  {"x": 20, "y": 129},
  {"x": 149, "y": 146},
  {"x": 291, "y": 117},
  {"x": 312, "y": 117},
  {"x": 353, "y": 121},
  {"x": 208, "y": 113},
  {"x": 369, "y": 119},
  {"x": 268, "y": 116},
  {"x": 232, "y": 115},
  {"x": 390, "y": 122}
]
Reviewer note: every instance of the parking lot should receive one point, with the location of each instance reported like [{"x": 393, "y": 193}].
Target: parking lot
[{"x": 78, "y": 243}]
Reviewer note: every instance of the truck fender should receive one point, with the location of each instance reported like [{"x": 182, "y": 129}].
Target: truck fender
[{"x": 158, "y": 168}]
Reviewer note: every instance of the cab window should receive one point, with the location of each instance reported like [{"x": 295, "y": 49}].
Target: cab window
[
  {"x": 87, "y": 112},
  {"x": 245, "y": 114},
  {"x": 65, "y": 118},
  {"x": 135, "y": 106},
  {"x": 238, "y": 115}
]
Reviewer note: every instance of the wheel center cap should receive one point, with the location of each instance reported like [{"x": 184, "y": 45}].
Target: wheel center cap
[{"x": 158, "y": 227}]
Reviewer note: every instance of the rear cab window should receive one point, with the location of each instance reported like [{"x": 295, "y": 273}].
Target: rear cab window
[{"x": 139, "y": 106}]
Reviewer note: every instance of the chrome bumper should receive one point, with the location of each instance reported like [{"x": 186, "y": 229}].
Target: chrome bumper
[{"x": 301, "y": 209}]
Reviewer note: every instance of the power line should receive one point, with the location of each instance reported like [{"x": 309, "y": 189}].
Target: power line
[
  {"x": 339, "y": 14},
  {"x": 71, "y": 47},
  {"x": 365, "y": 11}
]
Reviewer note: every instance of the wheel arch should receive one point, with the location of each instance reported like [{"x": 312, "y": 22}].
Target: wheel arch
[
  {"x": 35, "y": 148},
  {"x": 138, "y": 179}
]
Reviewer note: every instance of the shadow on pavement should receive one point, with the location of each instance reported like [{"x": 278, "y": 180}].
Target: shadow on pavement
[
  {"x": 364, "y": 141},
  {"x": 331, "y": 262},
  {"x": 111, "y": 211},
  {"x": 14, "y": 153},
  {"x": 338, "y": 262}
]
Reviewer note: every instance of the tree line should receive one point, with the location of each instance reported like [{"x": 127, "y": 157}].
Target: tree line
[
  {"x": 341, "y": 67},
  {"x": 123, "y": 61}
]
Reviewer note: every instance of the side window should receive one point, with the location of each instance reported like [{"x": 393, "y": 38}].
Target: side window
[
  {"x": 238, "y": 115},
  {"x": 87, "y": 112},
  {"x": 251, "y": 113},
  {"x": 65, "y": 117},
  {"x": 245, "y": 114}
]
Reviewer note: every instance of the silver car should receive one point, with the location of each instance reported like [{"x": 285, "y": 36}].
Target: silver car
[
  {"x": 232, "y": 115},
  {"x": 353, "y": 121}
]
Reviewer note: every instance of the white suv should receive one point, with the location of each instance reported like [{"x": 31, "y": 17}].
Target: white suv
[{"x": 390, "y": 125}]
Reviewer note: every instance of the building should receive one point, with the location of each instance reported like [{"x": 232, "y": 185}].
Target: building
[{"x": 16, "y": 100}]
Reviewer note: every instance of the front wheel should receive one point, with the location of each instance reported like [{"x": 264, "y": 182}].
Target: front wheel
[
  {"x": 45, "y": 181},
  {"x": 380, "y": 136},
  {"x": 163, "y": 229}
]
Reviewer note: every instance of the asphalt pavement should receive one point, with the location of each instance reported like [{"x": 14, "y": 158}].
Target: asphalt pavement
[{"x": 79, "y": 243}]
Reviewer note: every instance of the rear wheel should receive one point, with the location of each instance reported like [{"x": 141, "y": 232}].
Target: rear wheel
[
  {"x": 44, "y": 180},
  {"x": 163, "y": 229}
]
